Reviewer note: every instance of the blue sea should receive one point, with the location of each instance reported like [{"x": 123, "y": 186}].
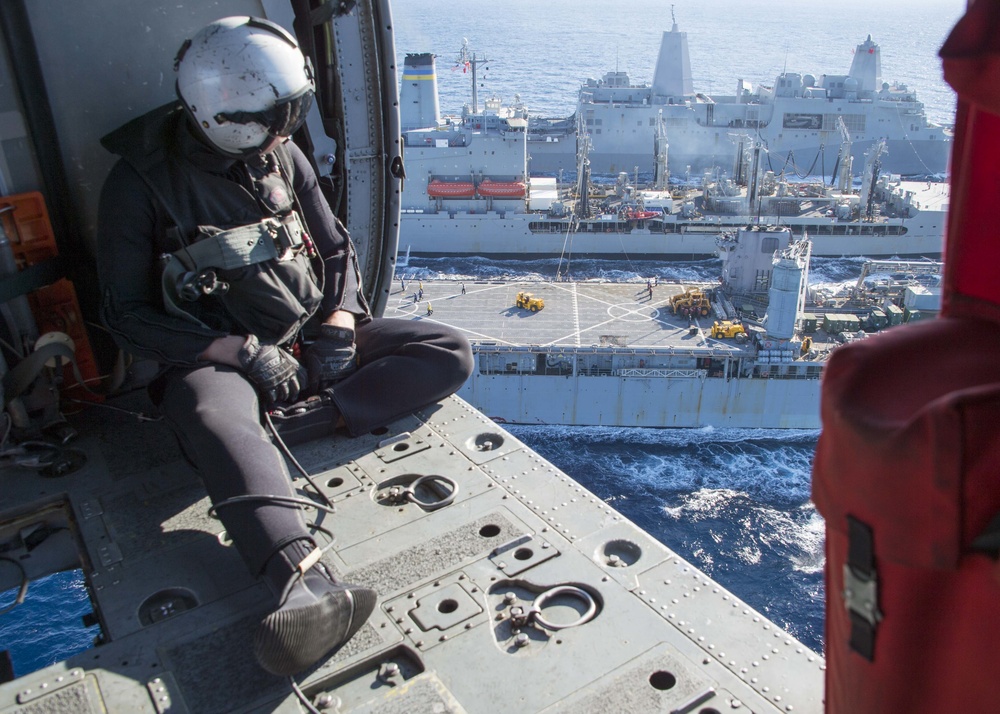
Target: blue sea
[{"x": 734, "y": 502}]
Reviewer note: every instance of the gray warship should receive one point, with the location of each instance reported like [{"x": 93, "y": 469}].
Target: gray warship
[
  {"x": 471, "y": 188},
  {"x": 504, "y": 585},
  {"x": 795, "y": 117}
]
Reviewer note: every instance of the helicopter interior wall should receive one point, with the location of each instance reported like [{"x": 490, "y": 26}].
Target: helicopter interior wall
[{"x": 93, "y": 90}]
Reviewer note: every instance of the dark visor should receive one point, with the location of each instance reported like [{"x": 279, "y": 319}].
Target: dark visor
[{"x": 281, "y": 120}]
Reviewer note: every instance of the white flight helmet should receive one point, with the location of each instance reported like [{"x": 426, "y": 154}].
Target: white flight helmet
[{"x": 245, "y": 83}]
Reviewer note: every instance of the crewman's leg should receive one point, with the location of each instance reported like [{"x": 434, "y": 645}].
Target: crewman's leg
[
  {"x": 215, "y": 413},
  {"x": 404, "y": 366}
]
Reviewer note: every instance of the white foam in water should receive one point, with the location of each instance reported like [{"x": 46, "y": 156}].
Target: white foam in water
[{"x": 733, "y": 501}]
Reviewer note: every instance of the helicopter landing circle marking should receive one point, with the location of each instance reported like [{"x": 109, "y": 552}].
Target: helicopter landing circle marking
[{"x": 630, "y": 312}]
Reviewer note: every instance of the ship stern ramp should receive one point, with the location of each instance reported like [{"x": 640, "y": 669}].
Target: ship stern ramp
[{"x": 504, "y": 586}]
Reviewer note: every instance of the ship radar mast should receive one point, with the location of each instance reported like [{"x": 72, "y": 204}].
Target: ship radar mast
[{"x": 468, "y": 61}]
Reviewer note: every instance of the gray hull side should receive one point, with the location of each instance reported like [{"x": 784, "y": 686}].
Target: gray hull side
[
  {"x": 647, "y": 402},
  {"x": 492, "y": 234},
  {"x": 903, "y": 157}
]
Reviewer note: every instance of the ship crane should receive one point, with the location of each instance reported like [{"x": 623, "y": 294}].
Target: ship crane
[
  {"x": 907, "y": 267},
  {"x": 583, "y": 170},
  {"x": 845, "y": 162},
  {"x": 873, "y": 167},
  {"x": 661, "y": 179}
]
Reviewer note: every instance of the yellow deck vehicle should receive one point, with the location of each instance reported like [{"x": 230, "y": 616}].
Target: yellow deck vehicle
[
  {"x": 691, "y": 302},
  {"x": 529, "y": 302},
  {"x": 728, "y": 328}
]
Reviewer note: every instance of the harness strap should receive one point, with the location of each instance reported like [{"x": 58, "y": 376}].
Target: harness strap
[
  {"x": 989, "y": 540},
  {"x": 235, "y": 248},
  {"x": 32, "y": 278}
]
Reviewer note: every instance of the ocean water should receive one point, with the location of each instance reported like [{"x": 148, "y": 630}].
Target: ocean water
[{"x": 734, "y": 502}]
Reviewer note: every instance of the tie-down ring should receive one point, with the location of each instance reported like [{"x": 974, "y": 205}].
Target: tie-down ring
[
  {"x": 398, "y": 494},
  {"x": 539, "y": 603}
]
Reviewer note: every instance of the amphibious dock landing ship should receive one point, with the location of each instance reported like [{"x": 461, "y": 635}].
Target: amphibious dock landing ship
[
  {"x": 796, "y": 118},
  {"x": 504, "y": 585}
]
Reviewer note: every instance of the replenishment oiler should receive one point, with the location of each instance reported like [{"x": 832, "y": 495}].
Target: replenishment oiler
[
  {"x": 796, "y": 118},
  {"x": 468, "y": 191},
  {"x": 745, "y": 353}
]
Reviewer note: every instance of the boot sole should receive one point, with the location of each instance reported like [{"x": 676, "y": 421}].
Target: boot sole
[{"x": 291, "y": 640}]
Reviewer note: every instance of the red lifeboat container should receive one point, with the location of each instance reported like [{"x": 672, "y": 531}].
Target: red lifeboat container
[
  {"x": 451, "y": 189},
  {"x": 634, "y": 214},
  {"x": 501, "y": 189}
]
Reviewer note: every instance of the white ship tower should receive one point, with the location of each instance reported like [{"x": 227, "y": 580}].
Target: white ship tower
[
  {"x": 866, "y": 67},
  {"x": 672, "y": 77}
]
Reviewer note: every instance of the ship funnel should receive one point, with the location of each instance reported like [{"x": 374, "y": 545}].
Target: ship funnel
[
  {"x": 866, "y": 67},
  {"x": 787, "y": 293},
  {"x": 672, "y": 77},
  {"x": 418, "y": 93}
]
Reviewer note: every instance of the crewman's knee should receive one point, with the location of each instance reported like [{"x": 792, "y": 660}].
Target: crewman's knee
[{"x": 461, "y": 361}]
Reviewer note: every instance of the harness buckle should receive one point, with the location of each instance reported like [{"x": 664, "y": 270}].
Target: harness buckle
[{"x": 191, "y": 286}]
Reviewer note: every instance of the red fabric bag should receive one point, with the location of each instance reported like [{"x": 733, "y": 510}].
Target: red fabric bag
[{"x": 907, "y": 476}]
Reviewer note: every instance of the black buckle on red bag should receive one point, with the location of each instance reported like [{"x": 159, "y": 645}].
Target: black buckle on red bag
[{"x": 861, "y": 588}]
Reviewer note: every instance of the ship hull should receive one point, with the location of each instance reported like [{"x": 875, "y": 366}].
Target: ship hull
[
  {"x": 496, "y": 234},
  {"x": 646, "y": 402}
]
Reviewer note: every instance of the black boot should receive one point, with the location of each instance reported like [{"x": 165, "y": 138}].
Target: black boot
[{"x": 316, "y": 614}]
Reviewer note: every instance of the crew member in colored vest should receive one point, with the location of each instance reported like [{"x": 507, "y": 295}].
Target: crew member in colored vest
[{"x": 216, "y": 248}]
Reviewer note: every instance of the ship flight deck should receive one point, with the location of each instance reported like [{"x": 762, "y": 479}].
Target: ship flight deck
[{"x": 576, "y": 314}]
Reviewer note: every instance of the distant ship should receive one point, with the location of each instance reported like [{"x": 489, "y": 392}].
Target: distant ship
[
  {"x": 797, "y": 120},
  {"x": 468, "y": 191}
]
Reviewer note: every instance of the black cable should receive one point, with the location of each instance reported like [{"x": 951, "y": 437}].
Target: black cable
[
  {"x": 283, "y": 447},
  {"x": 270, "y": 498},
  {"x": 302, "y": 696},
  {"x": 22, "y": 591}
]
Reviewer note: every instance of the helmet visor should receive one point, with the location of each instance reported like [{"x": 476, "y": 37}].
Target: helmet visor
[{"x": 280, "y": 120}]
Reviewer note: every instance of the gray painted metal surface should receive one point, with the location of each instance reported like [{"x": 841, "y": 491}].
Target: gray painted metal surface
[{"x": 178, "y": 610}]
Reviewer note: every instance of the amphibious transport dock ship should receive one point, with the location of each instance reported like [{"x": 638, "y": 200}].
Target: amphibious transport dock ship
[
  {"x": 503, "y": 584},
  {"x": 468, "y": 192},
  {"x": 795, "y": 117}
]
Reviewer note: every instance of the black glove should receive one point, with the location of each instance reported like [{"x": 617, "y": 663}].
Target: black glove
[
  {"x": 274, "y": 372},
  {"x": 331, "y": 357}
]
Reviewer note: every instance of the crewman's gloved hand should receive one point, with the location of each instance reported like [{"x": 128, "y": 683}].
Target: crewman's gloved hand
[
  {"x": 331, "y": 357},
  {"x": 275, "y": 373}
]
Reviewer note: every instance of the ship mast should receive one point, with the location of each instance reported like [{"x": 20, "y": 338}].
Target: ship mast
[{"x": 468, "y": 60}]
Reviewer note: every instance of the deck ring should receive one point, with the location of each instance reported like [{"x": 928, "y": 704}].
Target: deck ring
[
  {"x": 540, "y": 601},
  {"x": 411, "y": 491}
]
